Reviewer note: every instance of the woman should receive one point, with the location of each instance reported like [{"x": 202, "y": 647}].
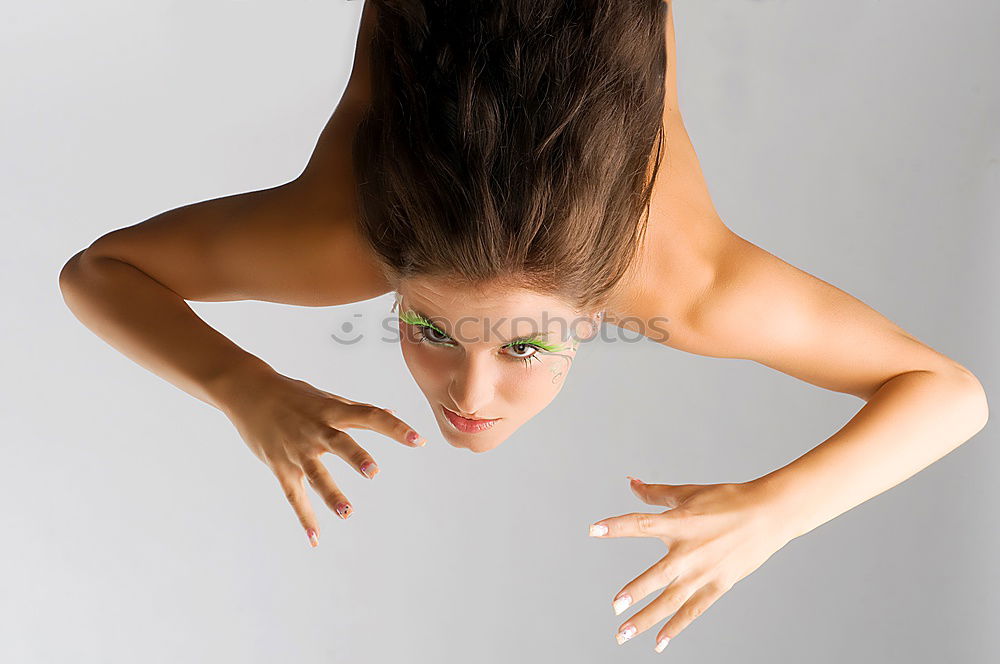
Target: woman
[{"x": 523, "y": 167}]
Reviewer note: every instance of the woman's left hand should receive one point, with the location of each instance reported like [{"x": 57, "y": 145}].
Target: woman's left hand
[{"x": 716, "y": 535}]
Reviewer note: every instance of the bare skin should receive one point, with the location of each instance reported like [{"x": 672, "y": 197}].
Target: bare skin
[{"x": 298, "y": 243}]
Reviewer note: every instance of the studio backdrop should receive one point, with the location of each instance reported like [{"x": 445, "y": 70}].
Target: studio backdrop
[{"x": 858, "y": 142}]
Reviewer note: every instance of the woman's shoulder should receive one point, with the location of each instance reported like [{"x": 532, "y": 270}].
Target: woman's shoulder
[
  {"x": 683, "y": 243},
  {"x": 677, "y": 258},
  {"x": 675, "y": 267},
  {"x": 328, "y": 202}
]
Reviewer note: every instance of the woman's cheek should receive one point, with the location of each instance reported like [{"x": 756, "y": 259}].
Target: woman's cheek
[
  {"x": 536, "y": 388},
  {"x": 422, "y": 361},
  {"x": 557, "y": 366}
]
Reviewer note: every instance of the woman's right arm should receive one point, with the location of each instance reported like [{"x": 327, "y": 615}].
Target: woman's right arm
[
  {"x": 295, "y": 244},
  {"x": 130, "y": 285}
]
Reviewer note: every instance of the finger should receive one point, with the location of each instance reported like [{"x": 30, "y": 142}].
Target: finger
[
  {"x": 373, "y": 418},
  {"x": 320, "y": 480},
  {"x": 667, "y": 495},
  {"x": 635, "y": 524},
  {"x": 291, "y": 484},
  {"x": 666, "y": 603},
  {"x": 696, "y": 605},
  {"x": 662, "y": 573},
  {"x": 347, "y": 448}
]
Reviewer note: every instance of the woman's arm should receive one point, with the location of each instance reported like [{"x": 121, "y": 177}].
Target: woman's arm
[
  {"x": 285, "y": 244},
  {"x": 278, "y": 245},
  {"x": 296, "y": 243},
  {"x": 920, "y": 404},
  {"x": 910, "y": 422}
]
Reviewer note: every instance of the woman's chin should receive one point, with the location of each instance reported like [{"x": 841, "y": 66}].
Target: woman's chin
[{"x": 474, "y": 442}]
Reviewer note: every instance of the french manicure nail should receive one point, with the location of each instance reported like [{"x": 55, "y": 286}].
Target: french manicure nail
[
  {"x": 622, "y": 603},
  {"x": 412, "y": 436},
  {"x": 343, "y": 509},
  {"x": 662, "y": 643},
  {"x": 369, "y": 469},
  {"x": 596, "y": 530},
  {"x": 625, "y": 634},
  {"x": 313, "y": 539}
]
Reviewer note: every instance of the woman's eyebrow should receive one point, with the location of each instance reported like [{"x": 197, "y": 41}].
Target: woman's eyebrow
[{"x": 535, "y": 335}]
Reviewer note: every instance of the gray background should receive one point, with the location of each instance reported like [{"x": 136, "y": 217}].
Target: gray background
[{"x": 857, "y": 141}]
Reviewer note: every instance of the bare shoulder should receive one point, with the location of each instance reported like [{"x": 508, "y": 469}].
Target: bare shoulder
[
  {"x": 296, "y": 243},
  {"x": 684, "y": 250},
  {"x": 685, "y": 247},
  {"x": 671, "y": 104},
  {"x": 283, "y": 244}
]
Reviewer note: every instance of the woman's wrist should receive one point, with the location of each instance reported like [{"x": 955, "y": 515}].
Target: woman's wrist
[
  {"x": 777, "y": 506},
  {"x": 229, "y": 386}
]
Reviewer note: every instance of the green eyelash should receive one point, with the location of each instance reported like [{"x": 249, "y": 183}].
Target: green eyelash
[
  {"x": 416, "y": 319},
  {"x": 538, "y": 343}
]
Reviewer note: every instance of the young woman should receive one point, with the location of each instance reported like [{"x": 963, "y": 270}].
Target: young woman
[{"x": 514, "y": 172}]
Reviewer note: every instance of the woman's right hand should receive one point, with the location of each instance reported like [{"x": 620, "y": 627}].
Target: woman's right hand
[{"x": 289, "y": 425}]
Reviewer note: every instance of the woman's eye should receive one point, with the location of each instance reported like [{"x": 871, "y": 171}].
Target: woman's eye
[
  {"x": 522, "y": 350},
  {"x": 434, "y": 335}
]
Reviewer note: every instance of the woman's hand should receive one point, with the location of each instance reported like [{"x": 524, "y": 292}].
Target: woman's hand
[
  {"x": 289, "y": 424},
  {"x": 716, "y": 535}
]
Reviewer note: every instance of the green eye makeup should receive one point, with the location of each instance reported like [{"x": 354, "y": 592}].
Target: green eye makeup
[
  {"x": 538, "y": 343},
  {"x": 413, "y": 318}
]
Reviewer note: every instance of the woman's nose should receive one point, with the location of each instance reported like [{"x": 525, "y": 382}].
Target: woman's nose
[{"x": 473, "y": 385}]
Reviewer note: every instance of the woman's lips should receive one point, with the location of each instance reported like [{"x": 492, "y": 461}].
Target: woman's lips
[{"x": 466, "y": 425}]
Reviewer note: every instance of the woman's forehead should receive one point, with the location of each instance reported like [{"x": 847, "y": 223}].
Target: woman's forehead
[
  {"x": 450, "y": 298},
  {"x": 488, "y": 316}
]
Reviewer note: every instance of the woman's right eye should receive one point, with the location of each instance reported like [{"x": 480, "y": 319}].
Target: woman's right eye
[{"x": 434, "y": 336}]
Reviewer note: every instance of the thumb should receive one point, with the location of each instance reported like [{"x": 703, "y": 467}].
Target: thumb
[{"x": 667, "y": 495}]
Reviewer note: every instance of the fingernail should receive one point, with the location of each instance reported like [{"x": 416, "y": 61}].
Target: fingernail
[
  {"x": 343, "y": 509},
  {"x": 391, "y": 411},
  {"x": 596, "y": 530},
  {"x": 622, "y": 603},
  {"x": 313, "y": 539},
  {"x": 625, "y": 634},
  {"x": 413, "y": 437},
  {"x": 636, "y": 480},
  {"x": 662, "y": 643},
  {"x": 369, "y": 469}
]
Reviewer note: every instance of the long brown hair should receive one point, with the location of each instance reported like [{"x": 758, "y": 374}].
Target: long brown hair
[{"x": 510, "y": 141}]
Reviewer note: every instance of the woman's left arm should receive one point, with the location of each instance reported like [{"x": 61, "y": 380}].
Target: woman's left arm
[{"x": 920, "y": 405}]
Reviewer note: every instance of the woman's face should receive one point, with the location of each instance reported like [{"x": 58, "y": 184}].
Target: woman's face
[{"x": 490, "y": 354}]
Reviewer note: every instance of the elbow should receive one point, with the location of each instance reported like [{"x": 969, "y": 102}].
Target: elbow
[
  {"x": 68, "y": 274},
  {"x": 974, "y": 395},
  {"x": 983, "y": 408},
  {"x": 74, "y": 275},
  {"x": 961, "y": 388}
]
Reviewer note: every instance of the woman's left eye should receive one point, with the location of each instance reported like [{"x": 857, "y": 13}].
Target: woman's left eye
[{"x": 520, "y": 350}]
